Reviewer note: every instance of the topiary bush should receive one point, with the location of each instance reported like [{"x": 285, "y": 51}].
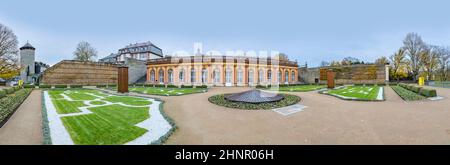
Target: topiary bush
[
  {"x": 149, "y": 85},
  {"x": 2, "y": 93},
  {"x": 9, "y": 91},
  {"x": 45, "y": 86},
  {"x": 76, "y": 86},
  {"x": 415, "y": 89},
  {"x": 29, "y": 86},
  {"x": 100, "y": 86},
  {"x": 260, "y": 86},
  {"x": 60, "y": 86},
  {"x": 202, "y": 86},
  {"x": 187, "y": 86},
  {"x": 428, "y": 92},
  {"x": 160, "y": 86},
  {"x": 172, "y": 86}
]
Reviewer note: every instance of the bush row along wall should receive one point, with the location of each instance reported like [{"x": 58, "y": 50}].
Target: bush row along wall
[{"x": 80, "y": 73}]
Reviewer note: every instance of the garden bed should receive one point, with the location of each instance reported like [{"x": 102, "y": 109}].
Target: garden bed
[
  {"x": 11, "y": 101},
  {"x": 92, "y": 117},
  {"x": 407, "y": 95},
  {"x": 286, "y": 101}
]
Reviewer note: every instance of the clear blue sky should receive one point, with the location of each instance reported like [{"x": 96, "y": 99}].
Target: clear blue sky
[{"x": 309, "y": 31}]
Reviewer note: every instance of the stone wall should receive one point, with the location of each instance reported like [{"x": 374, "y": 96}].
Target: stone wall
[
  {"x": 136, "y": 69},
  {"x": 80, "y": 73},
  {"x": 354, "y": 74}
]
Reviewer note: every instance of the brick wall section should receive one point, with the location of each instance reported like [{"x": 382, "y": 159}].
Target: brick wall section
[
  {"x": 354, "y": 74},
  {"x": 80, "y": 73}
]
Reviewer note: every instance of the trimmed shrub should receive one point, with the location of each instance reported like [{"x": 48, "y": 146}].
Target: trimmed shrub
[
  {"x": 415, "y": 89},
  {"x": 138, "y": 85},
  {"x": 148, "y": 85},
  {"x": 60, "y": 86},
  {"x": 76, "y": 86},
  {"x": 172, "y": 86},
  {"x": 9, "y": 90},
  {"x": 428, "y": 92},
  {"x": 260, "y": 86},
  {"x": 187, "y": 86},
  {"x": 16, "y": 88},
  {"x": 202, "y": 86},
  {"x": 29, "y": 86},
  {"x": 2, "y": 93},
  {"x": 45, "y": 86},
  {"x": 101, "y": 86},
  {"x": 160, "y": 86},
  {"x": 112, "y": 85}
]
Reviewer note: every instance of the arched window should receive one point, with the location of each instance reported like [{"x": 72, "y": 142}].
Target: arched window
[
  {"x": 279, "y": 76},
  {"x": 261, "y": 76},
  {"x": 170, "y": 73},
  {"x": 269, "y": 75},
  {"x": 152, "y": 76},
  {"x": 250, "y": 76},
  {"x": 181, "y": 75},
  {"x": 216, "y": 76},
  {"x": 161, "y": 76},
  {"x": 240, "y": 75},
  {"x": 293, "y": 76},
  {"x": 192, "y": 75},
  {"x": 228, "y": 75},
  {"x": 286, "y": 76},
  {"x": 204, "y": 75}
]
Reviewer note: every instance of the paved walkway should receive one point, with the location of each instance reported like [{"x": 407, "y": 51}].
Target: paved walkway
[
  {"x": 25, "y": 125},
  {"x": 327, "y": 120}
]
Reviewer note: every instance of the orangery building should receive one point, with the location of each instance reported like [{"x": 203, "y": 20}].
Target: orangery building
[{"x": 222, "y": 71}]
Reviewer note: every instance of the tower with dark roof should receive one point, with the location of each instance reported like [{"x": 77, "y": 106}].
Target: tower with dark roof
[{"x": 27, "y": 62}]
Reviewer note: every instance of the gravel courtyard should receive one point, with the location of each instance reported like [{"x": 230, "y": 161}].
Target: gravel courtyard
[{"x": 327, "y": 120}]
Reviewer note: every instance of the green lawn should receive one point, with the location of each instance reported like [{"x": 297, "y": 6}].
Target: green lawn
[
  {"x": 134, "y": 101},
  {"x": 80, "y": 95},
  {"x": 112, "y": 124},
  {"x": 166, "y": 91},
  {"x": 97, "y": 102},
  {"x": 107, "y": 124},
  {"x": 302, "y": 88},
  {"x": 66, "y": 107},
  {"x": 356, "y": 92}
]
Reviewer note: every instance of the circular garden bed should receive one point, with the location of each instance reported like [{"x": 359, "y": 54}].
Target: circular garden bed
[{"x": 222, "y": 101}]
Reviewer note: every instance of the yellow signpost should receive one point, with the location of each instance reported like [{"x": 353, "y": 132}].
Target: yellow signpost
[{"x": 421, "y": 81}]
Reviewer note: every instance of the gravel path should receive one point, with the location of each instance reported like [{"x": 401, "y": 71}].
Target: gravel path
[
  {"x": 327, "y": 120},
  {"x": 25, "y": 126}
]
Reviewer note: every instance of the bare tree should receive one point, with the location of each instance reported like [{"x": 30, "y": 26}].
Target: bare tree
[
  {"x": 8, "y": 53},
  {"x": 382, "y": 61},
  {"x": 429, "y": 60},
  {"x": 413, "y": 46},
  {"x": 85, "y": 52},
  {"x": 444, "y": 60}
]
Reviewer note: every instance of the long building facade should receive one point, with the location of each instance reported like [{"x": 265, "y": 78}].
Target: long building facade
[{"x": 221, "y": 71}]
